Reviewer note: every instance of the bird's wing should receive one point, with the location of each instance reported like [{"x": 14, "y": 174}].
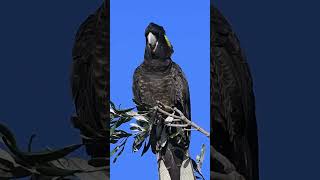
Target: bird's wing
[
  {"x": 136, "y": 86},
  {"x": 182, "y": 92},
  {"x": 182, "y": 97},
  {"x": 234, "y": 128},
  {"x": 177, "y": 150},
  {"x": 90, "y": 75}
]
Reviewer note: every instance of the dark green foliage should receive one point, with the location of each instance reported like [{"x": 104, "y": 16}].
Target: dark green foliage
[
  {"x": 119, "y": 117},
  {"x": 142, "y": 127},
  {"x": 16, "y": 163}
]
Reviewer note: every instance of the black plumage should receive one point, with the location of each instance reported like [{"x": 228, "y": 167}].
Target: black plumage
[
  {"x": 233, "y": 120},
  {"x": 158, "y": 78},
  {"x": 89, "y": 80}
]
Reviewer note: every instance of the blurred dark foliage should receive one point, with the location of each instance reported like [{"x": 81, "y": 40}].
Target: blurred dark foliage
[{"x": 43, "y": 165}]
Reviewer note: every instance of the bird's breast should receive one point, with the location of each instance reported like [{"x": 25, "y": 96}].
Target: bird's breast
[{"x": 157, "y": 88}]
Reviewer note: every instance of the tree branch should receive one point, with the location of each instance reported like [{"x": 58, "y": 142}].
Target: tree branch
[
  {"x": 174, "y": 115},
  {"x": 180, "y": 117}
]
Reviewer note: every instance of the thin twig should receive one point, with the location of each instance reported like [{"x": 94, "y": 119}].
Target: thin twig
[{"x": 177, "y": 125}]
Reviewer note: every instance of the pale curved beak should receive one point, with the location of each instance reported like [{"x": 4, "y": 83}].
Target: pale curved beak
[{"x": 152, "y": 41}]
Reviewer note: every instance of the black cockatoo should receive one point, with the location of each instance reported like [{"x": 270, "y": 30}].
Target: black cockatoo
[
  {"x": 89, "y": 82},
  {"x": 158, "y": 78},
  {"x": 233, "y": 120}
]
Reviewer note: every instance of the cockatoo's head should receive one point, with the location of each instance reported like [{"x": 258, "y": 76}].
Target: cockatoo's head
[{"x": 158, "y": 45}]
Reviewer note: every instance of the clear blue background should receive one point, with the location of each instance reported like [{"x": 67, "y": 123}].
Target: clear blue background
[
  {"x": 36, "y": 40},
  {"x": 187, "y": 27},
  {"x": 281, "y": 40}
]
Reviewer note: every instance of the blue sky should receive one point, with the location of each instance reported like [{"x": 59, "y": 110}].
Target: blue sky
[{"x": 187, "y": 27}]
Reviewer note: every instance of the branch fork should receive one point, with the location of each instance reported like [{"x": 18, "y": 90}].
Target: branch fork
[{"x": 175, "y": 118}]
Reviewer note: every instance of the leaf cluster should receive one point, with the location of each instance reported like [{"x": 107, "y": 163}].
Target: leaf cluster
[
  {"x": 141, "y": 130},
  {"x": 45, "y": 164}
]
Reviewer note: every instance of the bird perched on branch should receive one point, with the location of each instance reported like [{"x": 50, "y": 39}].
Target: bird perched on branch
[
  {"x": 158, "y": 78},
  {"x": 233, "y": 120}
]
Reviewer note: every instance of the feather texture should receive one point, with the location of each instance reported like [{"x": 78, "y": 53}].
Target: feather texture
[
  {"x": 89, "y": 79},
  {"x": 233, "y": 126}
]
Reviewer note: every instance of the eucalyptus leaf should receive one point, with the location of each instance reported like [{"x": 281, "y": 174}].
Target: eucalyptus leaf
[
  {"x": 6, "y": 161},
  {"x": 146, "y": 147},
  {"x": 137, "y": 116},
  {"x": 112, "y": 130},
  {"x": 200, "y": 158},
  {"x": 113, "y": 141},
  {"x": 138, "y": 141},
  {"x": 88, "y": 172},
  {"x": 122, "y": 133},
  {"x": 51, "y": 170},
  {"x": 112, "y": 105},
  {"x": 196, "y": 168},
  {"x": 43, "y": 156},
  {"x": 120, "y": 152},
  {"x": 144, "y": 124},
  {"x": 114, "y": 150},
  {"x": 136, "y": 126}
]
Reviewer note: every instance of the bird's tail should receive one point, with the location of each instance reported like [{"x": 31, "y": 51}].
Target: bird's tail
[{"x": 175, "y": 164}]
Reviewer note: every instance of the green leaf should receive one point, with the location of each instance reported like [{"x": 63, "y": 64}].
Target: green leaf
[
  {"x": 113, "y": 141},
  {"x": 112, "y": 105},
  {"x": 114, "y": 150},
  {"x": 120, "y": 152},
  {"x": 200, "y": 158},
  {"x": 136, "y": 127},
  {"x": 138, "y": 141},
  {"x": 143, "y": 124},
  {"x": 122, "y": 133},
  {"x": 6, "y": 161},
  {"x": 42, "y": 156},
  {"x": 146, "y": 147},
  {"x": 196, "y": 168},
  {"x": 112, "y": 130}
]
